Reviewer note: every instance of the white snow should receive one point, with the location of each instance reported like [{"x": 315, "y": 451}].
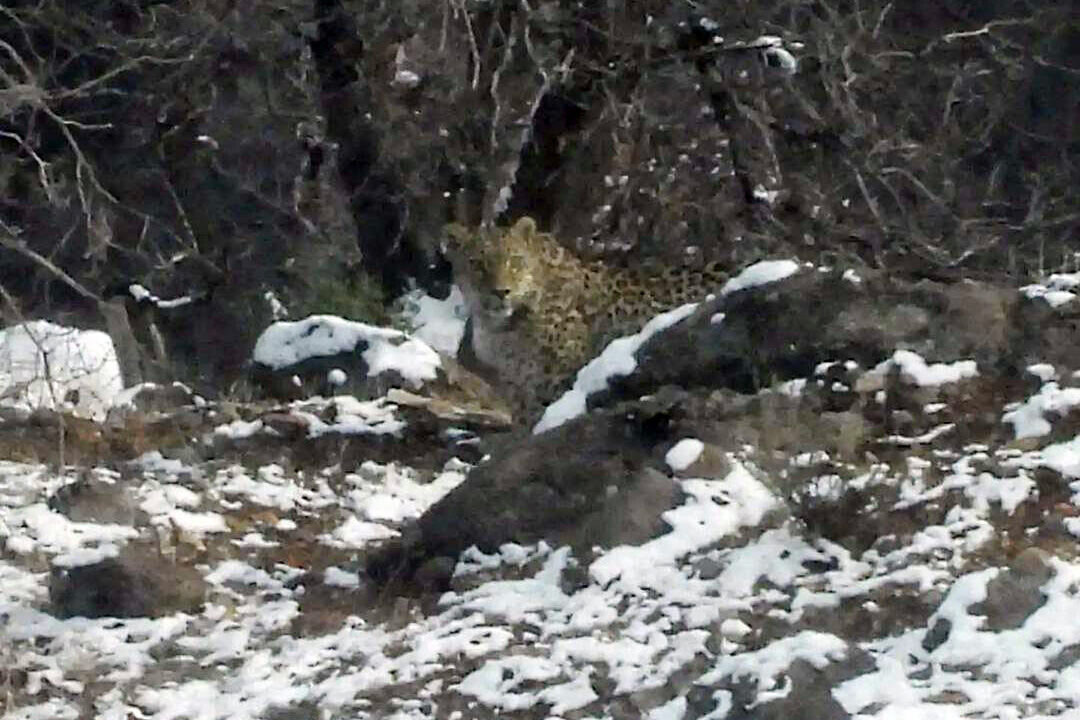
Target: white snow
[
  {"x": 762, "y": 273},
  {"x": 392, "y": 493},
  {"x": 336, "y": 577},
  {"x": 351, "y": 417},
  {"x": 140, "y": 293},
  {"x": 734, "y": 629},
  {"x": 439, "y": 323},
  {"x": 684, "y": 454},
  {"x": 1029, "y": 417},
  {"x": 525, "y": 641},
  {"x": 719, "y": 605},
  {"x": 1043, "y": 371},
  {"x": 714, "y": 509},
  {"x": 43, "y": 365},
  {"x": 915, "y": 370},
  {"x": 616, "y": 360},
  {"x": 286, "y": 343},
  {"x": 1057, "y": 290},
  {"x": 357, "y": 533},
  {"x": 1064, "y": 457}
]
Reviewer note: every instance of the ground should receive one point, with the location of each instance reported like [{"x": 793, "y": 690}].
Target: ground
[{"x": 920, "y": 564}]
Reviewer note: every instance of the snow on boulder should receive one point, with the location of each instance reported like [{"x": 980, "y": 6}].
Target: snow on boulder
[
  {"x": 761, "y": 273},
  {"x": 323, "y": 349},
  {"x": 619, "y": 358},
  {"x": 43, "y": 365}
]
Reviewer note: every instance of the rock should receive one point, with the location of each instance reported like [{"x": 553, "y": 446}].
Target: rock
[
  {"x": 784, "y": 330},
  {"x": 1015, "y": 594},
  {"x": 289, "y": 426},
  {"x": 807, "y": 691},
  {"x": 139, "y": 582},
  {"x": 463, "y": 415},
  {"x": 154, "y": 398},
  {"x": 937, "y": 635},
  {"x": 593, "y": 481},
  {"x": 327, "y": 355},
  {"x": 96, "y": 501}
]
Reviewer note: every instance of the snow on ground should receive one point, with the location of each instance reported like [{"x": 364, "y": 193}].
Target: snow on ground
[
  {"x": 1058, "y": 289},
  {"x": 43, "y": 365},
  {"x": 684, "y": 454},
  {"x": 1029, "y": 418},
  {"x": 761, "y": 273},
  {"x": 914, "y": 369},
  {"x": 731, "y": 595},
  {"x": 720, "y": 606},
  {"x": 351, "y": 417},
  {"x": 439, "y": 323}
]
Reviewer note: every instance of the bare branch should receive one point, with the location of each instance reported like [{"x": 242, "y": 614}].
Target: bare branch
[{"x": 16, "y": 244}]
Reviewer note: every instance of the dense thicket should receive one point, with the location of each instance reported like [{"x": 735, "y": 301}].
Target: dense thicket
[{"x": 224, "y": 149}]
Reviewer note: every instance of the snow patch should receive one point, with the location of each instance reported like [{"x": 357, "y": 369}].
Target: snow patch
[
  {"x": 762, "y": 273},
  {"x": 714, "y": 509},
  {"x": 616, "y": 360},
  {"x": 1057, "y": 290},
  {"x": 287, "y": 343},
  {"x": 1029, "y": 417},
  {"x": 684, "y": 454},
  {"x": 915, "y": 370},
  {"x": 439, "y": 323}
]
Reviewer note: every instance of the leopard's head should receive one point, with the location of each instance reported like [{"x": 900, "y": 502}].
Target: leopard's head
[{"x": 500, "y": 269}]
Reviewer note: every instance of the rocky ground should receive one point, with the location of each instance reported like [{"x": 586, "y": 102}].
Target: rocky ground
[{"x": 883, "y": 529}]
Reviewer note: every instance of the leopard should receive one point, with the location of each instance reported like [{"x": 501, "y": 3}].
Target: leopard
[{"x": 539, "y": 312}]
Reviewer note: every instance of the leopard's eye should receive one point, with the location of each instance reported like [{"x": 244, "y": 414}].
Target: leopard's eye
[{"x": 516, "y": 263}]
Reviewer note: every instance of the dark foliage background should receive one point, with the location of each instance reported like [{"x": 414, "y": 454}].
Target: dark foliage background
[{"x": 313, "y": 149}]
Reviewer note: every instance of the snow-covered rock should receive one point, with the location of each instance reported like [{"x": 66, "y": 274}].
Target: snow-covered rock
[{"x": 43, "y": 365}]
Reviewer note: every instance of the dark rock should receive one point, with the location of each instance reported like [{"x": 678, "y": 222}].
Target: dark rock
[
  {"x": 708, "y": 568},
  {"x": 154, "y": 398},
  {"x": 1015, "y": 593},
  {"x": 346, "y": 372},
  {"x": 1068, "y": 657},
  {"x": 589, "y": 482},
  {"x": 937, "y": 635},
  {"x": 809, "y": 694},
  {"x": 139, "y": 582},
  {"x": 96, "y": 501},
  {"x": 452, "y": 394},
  {"x": 290, "y": 427},
  {"x": 783, "y": 330},
  {"x": 1046, "y": 334}
]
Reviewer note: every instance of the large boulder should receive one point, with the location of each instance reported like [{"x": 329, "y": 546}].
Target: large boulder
[
  {"x": 594, "y": 481},
  {"x": 327, "y": 355},
  {"x": 762, "y": 334}
]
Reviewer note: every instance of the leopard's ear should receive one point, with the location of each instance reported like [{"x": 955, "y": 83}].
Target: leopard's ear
[{"x": 524, "y": 228}]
